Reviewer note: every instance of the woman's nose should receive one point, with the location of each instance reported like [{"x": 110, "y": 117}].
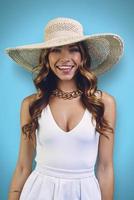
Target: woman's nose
[{"x": 65, "y": 54}]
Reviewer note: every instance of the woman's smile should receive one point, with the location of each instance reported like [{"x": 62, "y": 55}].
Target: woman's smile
[
  {"x": 65, "y": 60},
  {"x": 65, "y": 68}
]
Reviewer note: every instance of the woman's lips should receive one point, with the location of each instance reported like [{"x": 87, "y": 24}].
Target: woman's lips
[
  {"x": 62, "y": 67},
  {"x": 65, "y": 68}
]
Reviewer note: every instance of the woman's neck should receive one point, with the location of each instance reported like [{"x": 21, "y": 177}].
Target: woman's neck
[{"x": 67, "y": 85}]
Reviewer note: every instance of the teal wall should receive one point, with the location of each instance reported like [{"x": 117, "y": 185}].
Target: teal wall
[{"x": 22, "y": 22}]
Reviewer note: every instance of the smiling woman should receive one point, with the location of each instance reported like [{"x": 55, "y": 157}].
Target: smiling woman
[
  {"x": 67, "y": 125},
  {"x": 64, "y": 61}
]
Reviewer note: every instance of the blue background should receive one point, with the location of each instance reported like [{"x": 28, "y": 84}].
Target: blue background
[{"x": 22, "y": 22}]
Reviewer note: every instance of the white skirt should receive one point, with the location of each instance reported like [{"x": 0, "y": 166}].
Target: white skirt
[{"x": 48, "y": 183}]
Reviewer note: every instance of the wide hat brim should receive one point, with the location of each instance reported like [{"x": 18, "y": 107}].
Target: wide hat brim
[{"x": 105, "y": 50}]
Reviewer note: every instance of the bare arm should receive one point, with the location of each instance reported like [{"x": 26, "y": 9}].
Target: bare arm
[
  {"x": 105, "y": 170},
  {"x": 26, "y": 155}
]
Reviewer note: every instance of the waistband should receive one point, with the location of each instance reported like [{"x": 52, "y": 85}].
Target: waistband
[{"x": 65, "y": 173}]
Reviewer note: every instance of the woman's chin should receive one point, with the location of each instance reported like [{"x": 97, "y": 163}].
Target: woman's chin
[{"x": 66, "y": 78}]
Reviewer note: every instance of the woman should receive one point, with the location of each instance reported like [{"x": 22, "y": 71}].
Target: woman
[{"x": 68, "y": 125}]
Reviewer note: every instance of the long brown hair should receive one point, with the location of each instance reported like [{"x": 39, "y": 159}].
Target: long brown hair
[{"x": 46, "y": 81}]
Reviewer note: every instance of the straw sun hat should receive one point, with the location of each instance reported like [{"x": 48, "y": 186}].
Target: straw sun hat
[{"x": 105, "y": 49}]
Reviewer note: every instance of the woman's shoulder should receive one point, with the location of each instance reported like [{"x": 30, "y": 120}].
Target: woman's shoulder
[
  {"x": 108, "y": 99},
  {"x": 25, "y": 104},
  {"x": 29, "y": 99}
]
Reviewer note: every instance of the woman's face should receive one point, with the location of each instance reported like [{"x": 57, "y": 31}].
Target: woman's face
[{"x": 64, "y": 61}]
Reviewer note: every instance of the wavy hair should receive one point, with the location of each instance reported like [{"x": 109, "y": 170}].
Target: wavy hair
[{"x": 46, "y": 81}]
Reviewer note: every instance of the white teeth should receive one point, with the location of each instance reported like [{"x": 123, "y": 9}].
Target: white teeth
[{"x": 65, "y": 67}]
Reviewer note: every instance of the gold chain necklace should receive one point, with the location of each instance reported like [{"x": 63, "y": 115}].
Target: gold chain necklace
[{"x": 66, "y": 95}]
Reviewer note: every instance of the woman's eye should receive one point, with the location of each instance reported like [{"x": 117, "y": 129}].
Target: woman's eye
[
  {"x": 58, "y": 50},
  {"x": 55, "y": 50},
  {"x": 75, "y": 49}
]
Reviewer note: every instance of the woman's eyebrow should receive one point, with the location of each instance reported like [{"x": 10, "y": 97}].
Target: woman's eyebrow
[{"x": 73, "y": 45}]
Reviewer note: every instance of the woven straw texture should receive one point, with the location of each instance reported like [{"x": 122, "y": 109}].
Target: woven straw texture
[{"x": 105, "y": 49}]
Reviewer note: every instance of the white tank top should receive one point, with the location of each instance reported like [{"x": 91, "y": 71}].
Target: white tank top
[{"x": 76, "y": 149}]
